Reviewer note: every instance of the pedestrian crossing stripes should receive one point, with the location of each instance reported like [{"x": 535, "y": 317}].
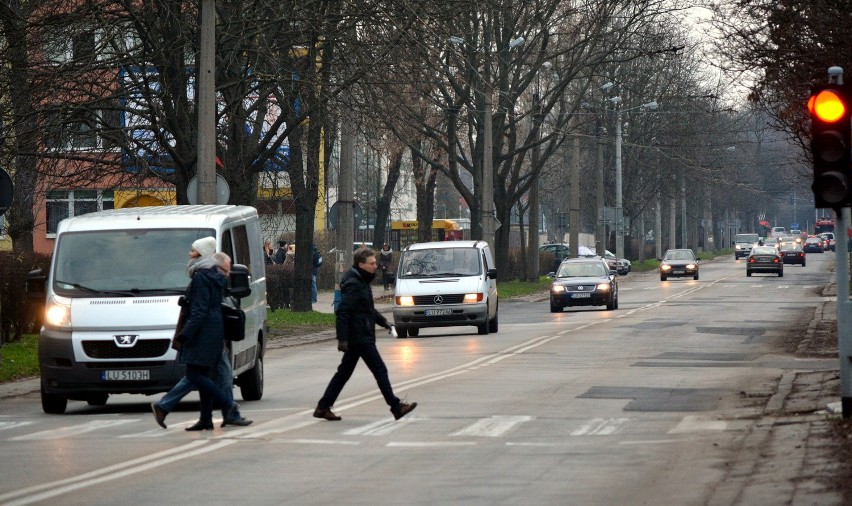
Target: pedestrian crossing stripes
[{"x": 493, "y": 427}]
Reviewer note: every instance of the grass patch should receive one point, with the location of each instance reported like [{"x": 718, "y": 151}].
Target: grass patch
[
  {"x": 515, "y": 288},
  {"x": 284, "y": 322},
  {"x": 19, "y": 359}
]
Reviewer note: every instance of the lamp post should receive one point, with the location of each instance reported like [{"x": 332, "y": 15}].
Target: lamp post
[{"x": 619, "y": 218}]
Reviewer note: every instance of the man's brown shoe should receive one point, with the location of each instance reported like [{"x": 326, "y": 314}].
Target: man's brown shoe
[
  {"x": 326, "y": 414},
  {"x": 402, "y": 409}
]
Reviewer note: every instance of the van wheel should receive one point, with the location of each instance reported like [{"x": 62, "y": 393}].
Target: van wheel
[
  {"x": 493, "y": 325},
  {"x": 482, "y": 329},
  {"x": 97, "y": 399},
  {"x": 52, "y": 404},
  {"x": 251, "y": 381},
  {"x": 401, "y": 332},
  {"x": 414, "y": 331}
]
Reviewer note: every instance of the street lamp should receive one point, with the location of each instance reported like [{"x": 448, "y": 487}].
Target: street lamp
[{"x": 619, "y": 218}]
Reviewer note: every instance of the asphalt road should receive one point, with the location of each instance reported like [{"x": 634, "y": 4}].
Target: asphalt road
[{"x": 647, "y": 404}]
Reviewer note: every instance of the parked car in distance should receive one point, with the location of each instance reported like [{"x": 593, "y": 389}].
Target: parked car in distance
[
  {"x": 792, "y": 253},
  {"x": 813, "y": 245},
  {"x": 559, "y": 252},
  {"x": 584, "y": 282},
  {"x": 679, "y": 263},
  {"x": 743, "y": 244},
  {"x": 765, "y": 259}
]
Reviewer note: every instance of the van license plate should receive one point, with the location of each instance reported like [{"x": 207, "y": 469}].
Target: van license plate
[
  {"x": 126, "y": 375},
  {"x": 437, "y": 312}
]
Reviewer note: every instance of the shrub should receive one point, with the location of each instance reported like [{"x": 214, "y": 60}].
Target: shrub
[{"x": 18, "y": 316}]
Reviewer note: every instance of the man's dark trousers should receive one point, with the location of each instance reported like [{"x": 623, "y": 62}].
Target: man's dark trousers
[{"x": 370, "y": 354}]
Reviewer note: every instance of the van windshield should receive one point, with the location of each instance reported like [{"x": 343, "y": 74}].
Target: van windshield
[
  {"x": 123, "y": 262},
  {"x": 440, "y": 262},
  {"x": 746, "y": 238}
]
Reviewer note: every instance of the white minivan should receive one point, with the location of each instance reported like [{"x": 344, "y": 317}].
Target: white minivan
[
  {"x": 111, "y": 299},
  {"x": 445, "y": 284}
]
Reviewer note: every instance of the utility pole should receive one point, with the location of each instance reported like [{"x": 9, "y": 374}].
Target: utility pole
[
  {"x": 532, "y": 256},
  {"x": 574, "y": 203},
  {"x": 600, "y": 228},
  {"x": 487, "y": 199},
  {"x": 206, "y": 144}
]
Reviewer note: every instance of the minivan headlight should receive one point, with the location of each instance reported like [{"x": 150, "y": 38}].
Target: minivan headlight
[
  {"x": 57, "y": 314},
  {"x": 470, "y": 298},
  {"x": 404, "y": 300}
]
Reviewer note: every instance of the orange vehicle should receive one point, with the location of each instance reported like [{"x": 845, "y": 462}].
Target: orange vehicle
[{"x": 404, "y": 232}]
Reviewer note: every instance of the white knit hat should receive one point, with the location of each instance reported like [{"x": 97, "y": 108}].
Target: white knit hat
[{"x": 205, "y": 246}]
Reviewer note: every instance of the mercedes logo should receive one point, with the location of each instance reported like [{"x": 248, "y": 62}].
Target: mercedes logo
[{"x": 439, "y": 299}]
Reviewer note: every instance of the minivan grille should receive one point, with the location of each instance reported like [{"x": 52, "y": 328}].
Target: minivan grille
[
  {"x": 429, "y": 300},
  {"x": 147, "y": 348}
]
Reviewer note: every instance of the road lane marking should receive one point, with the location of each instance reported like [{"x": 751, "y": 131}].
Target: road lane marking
[
  {"x": 600, "y": 427},
  {"x": 494, "y": 426},
  {"x": 14, "y": 425},
  {"x": 319, "y": 442},
  {"x": 115, "y": 471},
  {"x": 73, "y": 430},
  {"x": 694, "y": 423},
  {"x": 429, "y": 444},
  {"x": 379, "y": 428}
]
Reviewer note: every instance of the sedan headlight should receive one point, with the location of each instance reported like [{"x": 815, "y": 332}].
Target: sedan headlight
[
  {"x": 557, "y": 289},
  {"x": 57, "y": 314},
  {"x": 691, "y": 267},
  {"x": 665, "y": 267}
]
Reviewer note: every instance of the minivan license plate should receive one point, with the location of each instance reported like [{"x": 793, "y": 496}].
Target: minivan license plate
[
  {"x": 126, "y": 375},
  {"x": 438, "y": 312},
  {"x": 583, "y": 295}
]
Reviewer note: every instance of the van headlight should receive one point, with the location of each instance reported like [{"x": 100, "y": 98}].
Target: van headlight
[
  {"x": 470, "y": 298},
  {"x": 404, "y": 300},
  {"x": 57, "y": 314}
]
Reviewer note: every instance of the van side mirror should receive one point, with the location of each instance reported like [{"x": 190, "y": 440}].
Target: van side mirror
[
  {"x": 492, "y": 273},
  {"x": 240, "y": 282},
  {"x": 36, "y": 289}
]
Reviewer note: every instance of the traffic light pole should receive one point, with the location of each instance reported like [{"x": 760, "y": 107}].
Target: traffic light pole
[{"x": 844, "y": 309}]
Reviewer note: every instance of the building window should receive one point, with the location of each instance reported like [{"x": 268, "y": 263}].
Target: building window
[
  {"x": 63, "y": 204},
  {"x": 81, "y": 129}
]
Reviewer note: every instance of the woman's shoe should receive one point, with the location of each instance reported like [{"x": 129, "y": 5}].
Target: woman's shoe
[{"x": 199, "y": 425}]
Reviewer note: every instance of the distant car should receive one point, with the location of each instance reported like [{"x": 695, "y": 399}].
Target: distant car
[
  {"x": 620, "y": 265},
  {"x": 828, "y": 240},
  {"x": 584, "y": 282},
  {"x": 813, "y": 245},
  {"x": 679, "y": 263},
  {"x": 792, "y": 253},
  {"x": 743, "y": 244},
  {"x": 776, "y": 231},
  {"x": 559, "y": 252},
  {"x": 765, "y": 259}
]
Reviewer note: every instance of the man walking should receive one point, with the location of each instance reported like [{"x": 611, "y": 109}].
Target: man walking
[{"x": 356, "y": 337}]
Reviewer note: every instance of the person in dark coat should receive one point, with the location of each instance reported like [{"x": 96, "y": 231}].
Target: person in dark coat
[
  {"x": 356, "y": 337},
  {"x": 203, "y": 338},
  {"x": 385, "y": 264},
  {"x": 280, "y": 252}
]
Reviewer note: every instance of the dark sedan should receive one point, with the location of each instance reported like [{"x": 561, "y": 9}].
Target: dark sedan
[
  {"x": 814, "y": 245},
  {"x": 679, "y": 263},
  {"x": 766, "y": 259},
  {"x": 792, "y": 253},
  {"x": 583, "y": 282}
]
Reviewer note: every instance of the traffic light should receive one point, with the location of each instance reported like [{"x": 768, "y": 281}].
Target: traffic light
[{"x": 831, "y": 136}]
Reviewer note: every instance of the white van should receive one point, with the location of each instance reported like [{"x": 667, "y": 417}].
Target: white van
[
  {"x": 445, "y": 284},
  {"x": 111, "y": 300}
]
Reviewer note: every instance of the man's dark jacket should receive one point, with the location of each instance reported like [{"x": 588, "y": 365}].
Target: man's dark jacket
[{"x": 356, "y": 315}]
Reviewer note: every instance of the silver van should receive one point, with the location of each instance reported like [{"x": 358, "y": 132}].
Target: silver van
[
  {"x": 111, "y": 300},
  {"x": 445, "y": 284}
]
